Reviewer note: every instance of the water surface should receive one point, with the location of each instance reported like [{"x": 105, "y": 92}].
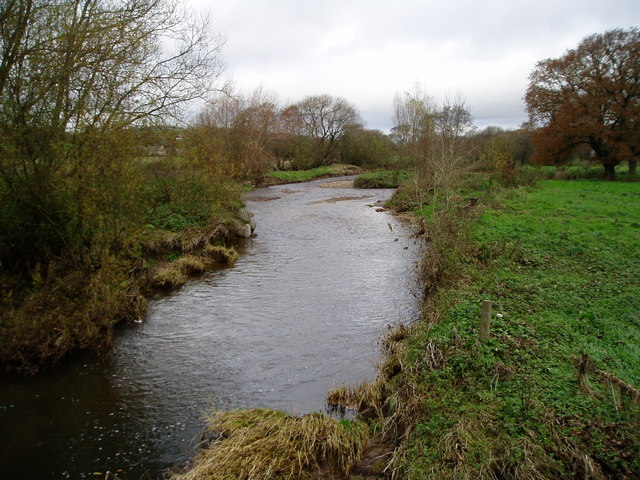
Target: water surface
[{"x": 300, "y": 311}]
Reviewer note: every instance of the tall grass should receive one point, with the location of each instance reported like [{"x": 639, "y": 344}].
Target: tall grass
[{"x": 259, "y": 443}]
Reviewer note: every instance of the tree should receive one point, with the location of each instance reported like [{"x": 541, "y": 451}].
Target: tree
[
  {"x": 75, "y": 76},
  {"x": 434, "y": 138},
  {"x": 237, "y": 133},
  {"x": 370, "y": 148},
  {"x": 413, "y": 114},
  {"x": 325, "y": 119},
  {"x": 589, "y": 96}
]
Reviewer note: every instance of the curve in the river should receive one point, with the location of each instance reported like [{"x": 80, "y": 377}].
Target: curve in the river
[{"x": 302, "y": 309}]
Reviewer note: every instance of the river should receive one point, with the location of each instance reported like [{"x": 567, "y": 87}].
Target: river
[{"x": 301, "y": 310}]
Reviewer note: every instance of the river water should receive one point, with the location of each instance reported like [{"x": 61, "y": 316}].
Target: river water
[{"x": 300, "y": 311}]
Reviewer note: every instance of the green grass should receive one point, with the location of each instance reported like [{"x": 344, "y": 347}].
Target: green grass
[
  {"x": 561, "y": 265},
  {"x": 382, "y": 179},
  {"x": 294, "y": 176}
]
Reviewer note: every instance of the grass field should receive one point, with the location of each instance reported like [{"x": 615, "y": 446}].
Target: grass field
[{"x": 550, "y": 395}]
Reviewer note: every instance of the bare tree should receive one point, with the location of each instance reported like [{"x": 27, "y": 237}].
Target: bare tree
[
  {"x": 240, "y": 129},
  {"x": 433, "y": 138},
  {"x": 325, "y": 119}
]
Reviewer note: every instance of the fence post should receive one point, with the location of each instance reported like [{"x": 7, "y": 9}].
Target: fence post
[{"x": 485, "y": 320}]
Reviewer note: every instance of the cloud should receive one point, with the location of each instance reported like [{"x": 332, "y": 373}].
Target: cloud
[{"x": 366, "y": 51}]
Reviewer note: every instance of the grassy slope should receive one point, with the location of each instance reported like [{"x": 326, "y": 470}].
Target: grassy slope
[
  {"x": 381, "y": 179},
  {"x": 296, "y": 176},
  {"x": 561, "y": 265}
]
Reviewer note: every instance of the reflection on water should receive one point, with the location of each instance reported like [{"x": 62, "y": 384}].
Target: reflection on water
[{"x": 301, "y": 310}]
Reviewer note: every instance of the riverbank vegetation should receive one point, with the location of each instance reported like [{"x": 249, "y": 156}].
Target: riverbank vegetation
[
  {"x": 381, "y": 179},
  {"x": 551, "y": 394},
  {"x": 262, "y": 443},
  {"x": 105, "y": 197},
  {"x": 553, "y": 391},
  {"x": 295, "y": 176},
  {"x": 89, "y": 200}
]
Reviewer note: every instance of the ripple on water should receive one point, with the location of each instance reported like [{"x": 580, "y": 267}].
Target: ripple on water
[{"x": 300, "y": 311}]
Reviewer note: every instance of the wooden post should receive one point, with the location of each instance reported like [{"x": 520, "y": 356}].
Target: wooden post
[
  {"x": 616, "y": 394},
  {"x": 485, "y": 320}
]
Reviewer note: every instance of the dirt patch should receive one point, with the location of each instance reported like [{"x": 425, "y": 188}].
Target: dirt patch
[
  {"x": 376, "y": 458},
  {"x": 338, "y": 184},
  {"x": 288, "y": 191}
]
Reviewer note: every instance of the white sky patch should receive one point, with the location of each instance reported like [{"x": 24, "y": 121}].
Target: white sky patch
[{"x": 368, "y": 50}]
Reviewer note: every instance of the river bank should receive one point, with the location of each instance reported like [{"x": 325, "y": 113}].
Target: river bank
[
  {"x": 256, "y": 334},
  {"x": 552, "y": 392}
]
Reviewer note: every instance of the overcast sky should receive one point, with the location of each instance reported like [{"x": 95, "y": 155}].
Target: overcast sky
[{"x": 368, "y": 50}]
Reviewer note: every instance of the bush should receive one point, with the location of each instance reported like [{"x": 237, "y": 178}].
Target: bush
[{"x": 383, "y": 179}]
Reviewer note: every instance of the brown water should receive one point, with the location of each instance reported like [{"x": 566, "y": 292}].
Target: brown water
[{"x": 301, "y": 310}]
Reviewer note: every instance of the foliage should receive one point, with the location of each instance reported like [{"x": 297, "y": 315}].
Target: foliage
[
  {"x": 434, "y": 139},
  {"x": 234, "y": 133},
  {"x": 326, "y": 120},
  {"x": 76, "y": 75},
  {"x": 88, "y": 177},
  {"x": 589, "y": 97},
  {"x": 72, "y": 310},
  {"x": 366, "y": 148},
  {"x": 496, "y": 148},
  {"x": 383, "y": 179}
]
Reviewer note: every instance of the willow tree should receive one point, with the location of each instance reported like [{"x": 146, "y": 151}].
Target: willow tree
[
  {"x": 589, "y": 97},
  {"x": 75, "y": 75}
]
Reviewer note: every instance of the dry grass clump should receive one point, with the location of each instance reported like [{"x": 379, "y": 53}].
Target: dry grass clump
[
  {"x": 190, "y": 264},
  {"x": 367, "y": 399},
  {"x": 392, "y": 338},
  {"x": 157, "y": 241},
  {"x": 77, "y": 310},
  {"x": 218, "y": 253},
  {"x": 168, "y": 277},
  {"x": 267, "y": 444},
  {"x": 177, "y": 273}
]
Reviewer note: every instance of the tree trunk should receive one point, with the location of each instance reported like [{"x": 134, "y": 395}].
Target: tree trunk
[
  {"x": 633, "y": 167},
  {"x": 610, "y": 171}
]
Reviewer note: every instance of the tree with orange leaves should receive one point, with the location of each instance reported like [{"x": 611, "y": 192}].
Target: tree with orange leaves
[{"x": 589, "y": 97}]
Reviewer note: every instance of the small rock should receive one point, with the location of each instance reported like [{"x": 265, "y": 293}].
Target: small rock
[{"x": 244, "y": 231}]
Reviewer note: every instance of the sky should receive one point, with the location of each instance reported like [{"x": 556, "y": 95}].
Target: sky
[{"x": 369, "y": 51}]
